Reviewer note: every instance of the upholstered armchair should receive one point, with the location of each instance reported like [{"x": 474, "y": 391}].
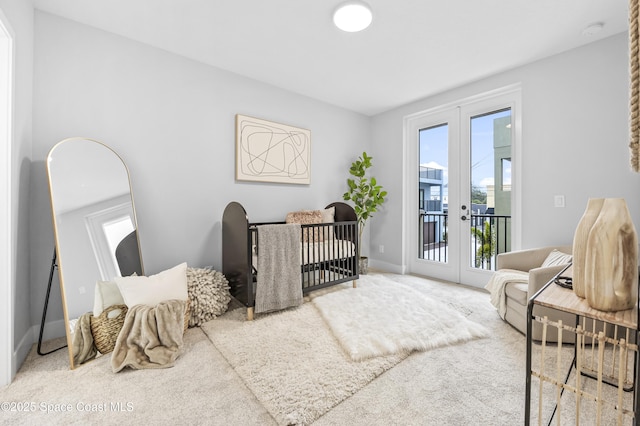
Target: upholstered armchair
[{"x": 517, "y": 293}]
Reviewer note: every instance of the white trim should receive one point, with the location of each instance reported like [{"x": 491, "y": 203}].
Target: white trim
[
  {"x": 94, "y": 222},
  {"x": 512, "y": 88},
  {"x": 448, "y": 271},
  {"x": 494, "y": 102},
  {"x": 7, "y": 240}
]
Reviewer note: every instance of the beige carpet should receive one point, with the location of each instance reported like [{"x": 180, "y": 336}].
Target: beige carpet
[
  {"x": 199, "y": 389},
  {"x": 480, "y": 382}
]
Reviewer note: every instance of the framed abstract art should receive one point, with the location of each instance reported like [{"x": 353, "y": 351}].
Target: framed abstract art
[{"x": 272, "y": 152}]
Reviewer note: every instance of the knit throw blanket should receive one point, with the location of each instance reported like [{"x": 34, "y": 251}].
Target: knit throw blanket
[
  {"x": 151, "y": 337},
  {"x": 497, "y": 284},
  {"x": 278, "y": 283}
]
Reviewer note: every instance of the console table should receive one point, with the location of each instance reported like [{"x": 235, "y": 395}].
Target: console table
[{"x": 564, "y": 299}]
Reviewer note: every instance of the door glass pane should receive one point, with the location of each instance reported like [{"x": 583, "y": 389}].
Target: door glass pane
[
  {"x": 490, "y": 215},
  {"x": 433, "y": 191}
]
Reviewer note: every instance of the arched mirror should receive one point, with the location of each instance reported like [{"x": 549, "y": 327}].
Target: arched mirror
[{"x": 94, "y": 223}]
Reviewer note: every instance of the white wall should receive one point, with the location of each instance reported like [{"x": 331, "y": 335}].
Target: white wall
[
  {"x": 172, "y": 121},
  {"x": 574, "y": 143},
  {"x": 20, "y": 17}
]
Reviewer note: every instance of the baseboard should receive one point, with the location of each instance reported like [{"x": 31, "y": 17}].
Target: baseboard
[
  {"x": 386, "y": 266},
  {"x": 21, "y": 351},
  {"x": 52, "y": 330}
]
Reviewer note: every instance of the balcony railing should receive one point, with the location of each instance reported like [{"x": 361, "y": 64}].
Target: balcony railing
[
  {"x": 490, "y": 236},
  {"x": 431, "y": 205},
  {"x": 429, "y": 173}
]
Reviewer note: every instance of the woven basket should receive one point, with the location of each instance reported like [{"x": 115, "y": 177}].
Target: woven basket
[{"x": 105, "y": 330}]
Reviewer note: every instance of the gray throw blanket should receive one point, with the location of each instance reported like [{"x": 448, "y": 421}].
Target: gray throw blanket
[
  {"x": 151, "y": 337},
  {"x": 278, "y": 284}
]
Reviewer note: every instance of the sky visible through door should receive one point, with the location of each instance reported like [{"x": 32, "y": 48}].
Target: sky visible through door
[{"x": 434, "y": 152}]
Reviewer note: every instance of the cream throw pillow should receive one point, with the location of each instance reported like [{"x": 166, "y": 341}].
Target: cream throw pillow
[
  {"x": 167, "y": 285},
  {"x": 106, "y": 294},
  {"x": 556, "y": 258}
]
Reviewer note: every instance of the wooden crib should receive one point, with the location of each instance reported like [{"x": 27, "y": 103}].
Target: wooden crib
[{"x": 323, "y": 264}]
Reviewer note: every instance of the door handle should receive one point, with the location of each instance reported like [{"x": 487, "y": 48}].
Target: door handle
[{"x": 466, "y": 212}]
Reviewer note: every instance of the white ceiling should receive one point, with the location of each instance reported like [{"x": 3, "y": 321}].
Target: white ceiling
[{"x": 413, "y": 49}]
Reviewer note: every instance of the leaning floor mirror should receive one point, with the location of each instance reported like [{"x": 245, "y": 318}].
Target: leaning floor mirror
[{"x": 95, "y": 230}]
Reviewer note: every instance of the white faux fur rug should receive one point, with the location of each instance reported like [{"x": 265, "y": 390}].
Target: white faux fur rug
[{"x": 383, "y": 317}]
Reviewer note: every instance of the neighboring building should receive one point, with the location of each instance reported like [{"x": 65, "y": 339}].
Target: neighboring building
[{"x": 431, "y": 187}]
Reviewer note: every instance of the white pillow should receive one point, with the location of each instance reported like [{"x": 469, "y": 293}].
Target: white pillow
[
  {"x": 556, "y": 258},
  {"x": 167, "y": 285},
  {"x": 106, "y": 294}
]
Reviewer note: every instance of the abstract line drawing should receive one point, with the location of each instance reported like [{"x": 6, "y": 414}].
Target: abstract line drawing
[{"x": 272, "y": 152}]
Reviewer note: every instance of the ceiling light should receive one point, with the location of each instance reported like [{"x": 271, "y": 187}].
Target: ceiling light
[
  {"x": 353, "y": 16},
  {"x": 592, "y": 29}
]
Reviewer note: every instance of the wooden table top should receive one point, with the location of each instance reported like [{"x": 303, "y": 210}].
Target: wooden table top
[{"x": 564, "y": 299}]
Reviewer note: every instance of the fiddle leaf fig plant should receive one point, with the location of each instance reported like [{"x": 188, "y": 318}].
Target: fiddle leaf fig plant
[{"x": 364, "y": 191}]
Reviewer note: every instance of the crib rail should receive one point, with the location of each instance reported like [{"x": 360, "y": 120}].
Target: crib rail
[{"x": 332, "y": 261}]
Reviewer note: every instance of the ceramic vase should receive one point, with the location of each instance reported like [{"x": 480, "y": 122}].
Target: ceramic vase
[
  {"x": 594, "y": 205},
  {"x": 611, "y": 264}
]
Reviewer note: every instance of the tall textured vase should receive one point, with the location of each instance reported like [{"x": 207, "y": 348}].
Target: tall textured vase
[
  {"x": 612, "y": 259},
  {"x": 594, "y": 205}
]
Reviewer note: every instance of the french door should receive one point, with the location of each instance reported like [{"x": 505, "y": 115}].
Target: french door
[{"x": 462, "y": 193}]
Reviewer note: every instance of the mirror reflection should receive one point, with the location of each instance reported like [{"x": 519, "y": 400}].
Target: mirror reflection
[{"x": 94, "y": 224}]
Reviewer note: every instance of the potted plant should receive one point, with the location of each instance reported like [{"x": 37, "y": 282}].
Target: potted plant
[{"x": 366, "y": 195}]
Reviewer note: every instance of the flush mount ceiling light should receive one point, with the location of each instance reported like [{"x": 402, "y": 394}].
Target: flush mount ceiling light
[{"x": 353, "y": 16}]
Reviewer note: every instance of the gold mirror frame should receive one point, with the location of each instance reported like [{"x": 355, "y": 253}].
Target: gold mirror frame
[{"x": 91, "y": 205}]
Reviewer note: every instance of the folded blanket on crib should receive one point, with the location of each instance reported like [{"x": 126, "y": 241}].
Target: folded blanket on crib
[
  {"x": 278, "y": 283},
  {"x": 151, "y": 337}
]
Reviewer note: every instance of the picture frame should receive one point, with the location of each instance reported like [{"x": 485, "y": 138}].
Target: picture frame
[{"x": 267, "y": 151}]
